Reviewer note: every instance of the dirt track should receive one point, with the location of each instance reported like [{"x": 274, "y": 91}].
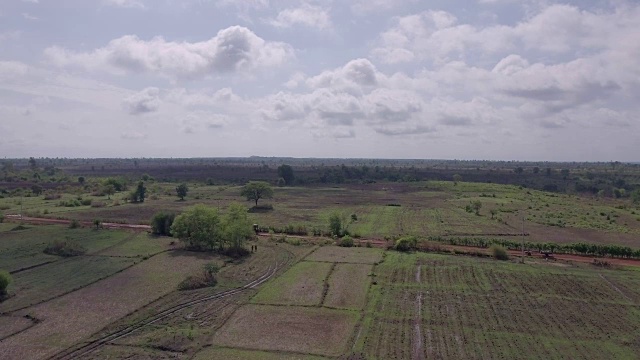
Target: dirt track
[
  {"x": 45, "y": 221},
  {"x": 373, "y": 242}
]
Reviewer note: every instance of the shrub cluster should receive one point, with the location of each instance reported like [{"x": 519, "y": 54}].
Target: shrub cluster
[
  {"x": 65, "y": 248},
  {"x": 610, "y": 250},
  {"x": 205, "y": 278},
  {"x": 161, "y": 223},
  {"x": 346, "y": 241}
]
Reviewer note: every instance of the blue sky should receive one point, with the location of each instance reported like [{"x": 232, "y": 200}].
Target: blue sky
[{"x": 474, "y": 79}]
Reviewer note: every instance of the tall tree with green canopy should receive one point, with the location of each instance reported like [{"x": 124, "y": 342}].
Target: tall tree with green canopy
[
  {"x": 286, "y": 172},
  {"x": 182, "y": 190},
  {"x": 199, "y": 227},
  {"x": 236, "y": 225},
  {"x": 256, "y": 190}
]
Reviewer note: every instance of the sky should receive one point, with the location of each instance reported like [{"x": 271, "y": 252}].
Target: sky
[{"x": 442, "y": 79}]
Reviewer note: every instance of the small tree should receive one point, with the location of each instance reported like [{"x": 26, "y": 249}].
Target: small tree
[
  {"x": 32, "y": 163},
  {"x": 335, "y": 224},
  {"x": 182, "y": 190},
  {"x": 256, "y": 190},
  {"x": 161, "y": 223},
  {"x": 286, "y": 172},
  {"x": 5, "y": 280},
  {"x": 456, "y": 179},
  {"x": 476, "y": 206},
  {"x": 498, "y": 252},
  {"x": 139, "y": 193},
  {"x": 635, "y": 196},
  {"x": 36, "y": 189},
  {"x": 81, "y": 180},
  {"x": 108, "y": 190},
  {"x": 97, "y": 223}
]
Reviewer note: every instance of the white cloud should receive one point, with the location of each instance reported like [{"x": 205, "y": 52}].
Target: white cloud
[
  {"x": 143, "y": 102},
  {"x": 233, "y": 49},
  {"x": 307, "y": 15},
  {"x": 131, "y": 4},
  {"x": 30, "y": 17},
  {"x": 198, "y": 121}
]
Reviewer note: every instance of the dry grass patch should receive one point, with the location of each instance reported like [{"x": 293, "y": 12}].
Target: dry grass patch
[
  {"x": 305, "y": 330},
  {"x": 303, "y": 284},
  {"x": 348, "y": 285},
  {"x": 73, "y": 317},
  {"x": 346, "y": 255}
]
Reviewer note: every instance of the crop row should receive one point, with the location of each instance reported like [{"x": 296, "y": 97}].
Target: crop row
[{"x": 615, "y": 251}]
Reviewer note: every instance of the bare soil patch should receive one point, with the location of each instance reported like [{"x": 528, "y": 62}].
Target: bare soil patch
[
  {"x": 348, "y": 285},
  {"x": 305, "y": 330}
]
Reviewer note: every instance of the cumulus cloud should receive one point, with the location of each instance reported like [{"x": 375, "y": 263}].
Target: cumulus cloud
[
  {"x": 233, "y": 49},
  {"x": 557, "y": 29},
  {"x": 143, "y": 102},
  {"x": 198, "y": 121},
  {"x": 307, "y": 15}
]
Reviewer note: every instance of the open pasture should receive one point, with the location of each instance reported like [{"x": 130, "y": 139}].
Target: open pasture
[
  {"x": 431, "y": 208},
  {"x": 348, "y": 285},
  {"x": 436, "y": 306}
]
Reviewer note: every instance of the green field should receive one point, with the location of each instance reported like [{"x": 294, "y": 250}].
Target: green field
[{"x": 472, "y": 308}]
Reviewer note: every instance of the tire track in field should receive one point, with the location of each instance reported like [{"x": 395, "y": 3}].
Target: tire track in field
[
  {"x": 418, "y": 348},
  {"x": 76, "y": 352},
  {"x": 617, "y": 289}
]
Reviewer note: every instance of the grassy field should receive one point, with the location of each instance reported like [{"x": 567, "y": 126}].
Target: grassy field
[
  {"x": 301, "y": 285},
  {"x": 433, "y": 208},
  {"x": 455, "y": 307}
]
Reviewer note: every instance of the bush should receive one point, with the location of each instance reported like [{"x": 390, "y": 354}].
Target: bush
[
  {"x": 5, "y": 280},
  {"x": 74, "y": 224},
  {"x": 498, "y": 252},
  {"x": 346, "y": 241},
  {"x": 161, "y": 223},
  {"x": 66, "y": 248},
  {"x": 86, "y": 202},
  {"x": 406, "y": 243},
  {"x": 206, "y": 278}
]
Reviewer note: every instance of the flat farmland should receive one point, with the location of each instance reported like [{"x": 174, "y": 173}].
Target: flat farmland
[
  {"x": 95, "y": 306},
  {"x": 348, "y": 285},
  {"x": 300, "y": 285},
  {"x": 434, "y": 306},
  {"x": 430, "y": 208},
  {"x": 49, "y": 281},
  {"x": 305, "y": 330}
]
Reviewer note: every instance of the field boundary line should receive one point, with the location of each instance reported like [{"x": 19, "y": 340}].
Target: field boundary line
[
  {"x": 268, "y": 351},
  {"x": 33, "y": 266},
  {"x": 417, "y": 348},
  {"x": 325, "y": 285}
]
